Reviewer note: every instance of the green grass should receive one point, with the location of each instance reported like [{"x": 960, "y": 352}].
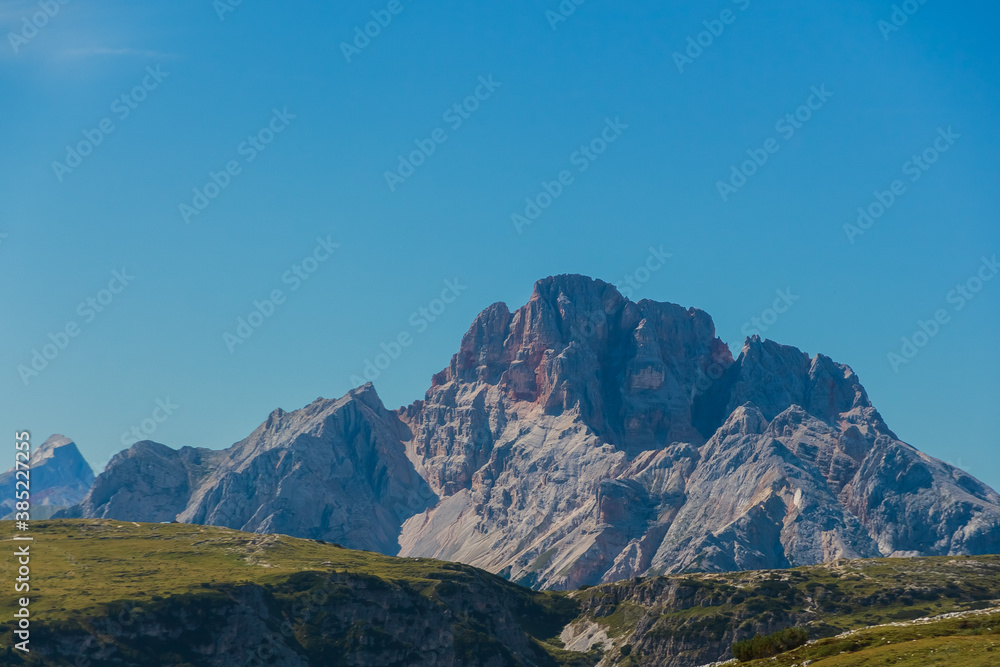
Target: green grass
[
  {"x": 623, "y": 619},
  {"x": 966, "y": 642},
  {"x": 85, "y": 572},
  {"x": 700, "y": 616},
  {"x": 79, "y": 564}
]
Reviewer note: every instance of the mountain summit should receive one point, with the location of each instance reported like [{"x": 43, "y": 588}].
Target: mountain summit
[
  {"x": 584, "y": 438},
  {"x": 60, "y": 477}
]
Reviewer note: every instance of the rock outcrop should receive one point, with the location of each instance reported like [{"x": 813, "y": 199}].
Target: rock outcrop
[
  {"x": 59, "y": 478},
  {"x": 583, "y": 438},
  {"x": 334, "y": 470}
]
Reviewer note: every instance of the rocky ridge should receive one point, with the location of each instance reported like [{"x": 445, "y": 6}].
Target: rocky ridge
[
  {"x": 335, "y": 470},
  {"x": 583, "y": 438}
]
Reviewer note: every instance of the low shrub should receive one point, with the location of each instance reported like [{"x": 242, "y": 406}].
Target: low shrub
[{"x": 771, "y": 645}]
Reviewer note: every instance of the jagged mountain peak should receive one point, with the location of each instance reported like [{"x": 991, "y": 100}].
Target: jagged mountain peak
[
  {"x": 774, "y": 376},
  {"x": 312, "y": 417},
  {"x": 579, "y": 344},
  {"x": 60, "y": 477},
  {"x": 52, "y": 443},
  {"x": 745, "y": 420}
]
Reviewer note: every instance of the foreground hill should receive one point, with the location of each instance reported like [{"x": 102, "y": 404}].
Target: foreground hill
[
  {"x": 683, "y": 621},
  {"x": 968, "y": 639},
  {"x": 178, "y": 594},
  {"x": 117, "y": 593},
  {"x": 581, "y": 439}
]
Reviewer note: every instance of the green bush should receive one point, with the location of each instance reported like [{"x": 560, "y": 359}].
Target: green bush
[{"x": 771, "y": 645}]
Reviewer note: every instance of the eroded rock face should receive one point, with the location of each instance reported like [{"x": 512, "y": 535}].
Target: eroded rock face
[
  {"x": 334, "y": 470},
  {"x": 146, "y": 482},
  {"x": 59, "y": 477},
  {"x": 583, "y": 438}
]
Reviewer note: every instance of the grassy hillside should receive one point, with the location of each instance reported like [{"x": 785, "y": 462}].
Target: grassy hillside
[
  {"x": 968, "y": 640},
  {"x": 178, "y": 594},
  {"x": 121, "y": 593},
  {"x": 694, "y": 619}
]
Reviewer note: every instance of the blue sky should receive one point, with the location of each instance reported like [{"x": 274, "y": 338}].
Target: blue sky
[{"x": 300, "y": 131}]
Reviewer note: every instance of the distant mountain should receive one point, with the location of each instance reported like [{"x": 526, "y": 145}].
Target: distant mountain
[
  {"x": 60, "y": 477},
  {"x": 583, "y": 438}
]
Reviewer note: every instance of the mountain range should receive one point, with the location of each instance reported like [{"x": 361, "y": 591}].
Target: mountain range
[{"x": 581, "y": 439}]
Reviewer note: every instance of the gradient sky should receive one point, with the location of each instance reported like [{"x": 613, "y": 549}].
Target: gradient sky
[{"x": 323, "y": 176}]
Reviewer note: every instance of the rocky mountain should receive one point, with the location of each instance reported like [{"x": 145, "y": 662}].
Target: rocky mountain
[
  {"x": 334, "y": 470},
  {"x": 60, "y": 478},
  {"x": 583, "y": 438}
]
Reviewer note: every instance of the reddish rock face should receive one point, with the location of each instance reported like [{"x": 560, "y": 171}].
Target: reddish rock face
[{"x": 629, "y": 369}]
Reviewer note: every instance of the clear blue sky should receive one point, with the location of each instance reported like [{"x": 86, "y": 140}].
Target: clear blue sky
[{"x": 552, "y": 90}]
